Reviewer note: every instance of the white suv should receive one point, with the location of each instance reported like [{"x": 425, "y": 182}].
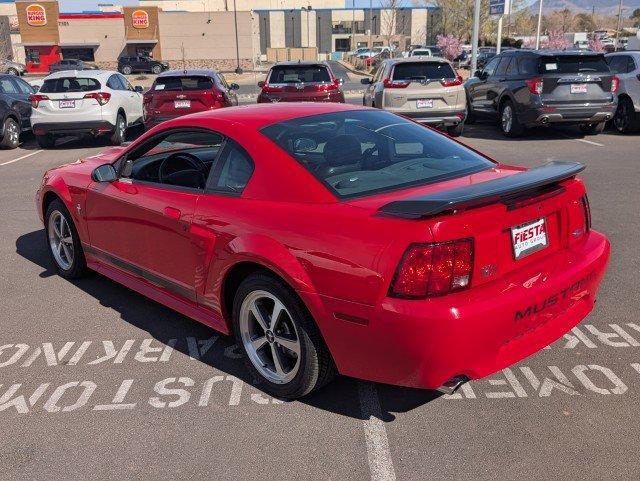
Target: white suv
[{"x": 85, "y": 102}]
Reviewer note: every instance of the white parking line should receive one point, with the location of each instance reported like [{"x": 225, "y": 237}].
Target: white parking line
[
  {"x": 20, "y": 158},
  {"x": 378, "y": 453},
  {"x": 590, "y": 142}
]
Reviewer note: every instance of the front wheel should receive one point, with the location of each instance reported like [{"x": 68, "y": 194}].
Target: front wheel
[
  {"x": 126, "y": 70},
  {"x": 156, "y": 69},
  {"x": 64, "y": 243},
  {"x": 592, "y": 129},
  {"x": 282, "y": 346},
  {"x": 11, "y": 136}
]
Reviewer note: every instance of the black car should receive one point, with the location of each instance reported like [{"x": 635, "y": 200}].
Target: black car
[
  {"x": 527, "y": 88},
  {"x": 483, "y": 58},
  {"x": 15, "y": 110},
  {"x": 71, "y": 64},
  {"x": 141, "y": 63}
]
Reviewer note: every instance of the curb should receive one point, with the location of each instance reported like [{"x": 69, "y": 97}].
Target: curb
[{"x": 350, "y": 68}]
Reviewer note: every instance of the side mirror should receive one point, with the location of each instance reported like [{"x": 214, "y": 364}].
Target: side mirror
[
  {"x": 234, "y": 86},
  {"x": 261, "y": 84},
  {"x": 35, "y": 88},
  {"x": 366, "y": 81},
  {"x": 139, "y": 88},
  {"x": 104, "y": 173}
]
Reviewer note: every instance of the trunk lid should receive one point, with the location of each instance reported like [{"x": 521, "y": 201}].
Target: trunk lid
[
  {"x": 175, "y": 95},
  {"x": 419, "y": 86}
]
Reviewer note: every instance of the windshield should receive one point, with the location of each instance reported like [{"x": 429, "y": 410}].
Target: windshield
[
  {"x": 423, "y": 71},
  {"x": 362, "y": 152},
  {"x": 282, "y": 74},
  {"x": 574, "y": 64},
  {"x": 69, "y": 84},
  {"x": 194, "y": 82}
]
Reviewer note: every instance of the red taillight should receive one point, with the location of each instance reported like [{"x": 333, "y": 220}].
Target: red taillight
[
  {"x": 101, "y": 97},
  {"x": 269, "y": 89},
  {"x": 535, "y": 85},
  {"x": 36, "y": 99},
  {"x": 615, "y": 83},
  {"x": 452, "y": 82},
  {"x": 327, "y": 87},
  {"x": 434, "y": 269},
  {"x": 395, "y": 84}
]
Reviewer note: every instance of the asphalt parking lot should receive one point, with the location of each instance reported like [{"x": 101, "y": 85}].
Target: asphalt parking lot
[{"x": 96, "y": 382}]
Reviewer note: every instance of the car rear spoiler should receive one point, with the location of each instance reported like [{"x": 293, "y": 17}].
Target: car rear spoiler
[{"x": 476, "y": 195}]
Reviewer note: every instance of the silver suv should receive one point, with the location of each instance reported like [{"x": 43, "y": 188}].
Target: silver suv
[
  {"x": 11, "y": 67},
  {"x": 626, "y": 65}
]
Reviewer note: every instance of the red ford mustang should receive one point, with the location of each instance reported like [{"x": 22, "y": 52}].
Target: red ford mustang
[{"x": 334, "y": 238}]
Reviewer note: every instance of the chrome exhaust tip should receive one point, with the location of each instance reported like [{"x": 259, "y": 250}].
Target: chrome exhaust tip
[
  {"x": 544, "y": 120},
  {"x": 452, "y": 385}
]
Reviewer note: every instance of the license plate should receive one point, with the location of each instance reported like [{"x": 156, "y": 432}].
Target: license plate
[
  {"x": 529, "y": 238},
  {"x": 67, "y": 104},
  {"x": 424, "y": 103},
  {"x": 182, "y": 104},
  {"x": 578, "y": 88}
]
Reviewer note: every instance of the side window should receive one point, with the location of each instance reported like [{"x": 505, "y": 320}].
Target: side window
[
  {"x": 512, "y": 69},
  {"x": 7, "y": 86},
  {"x": 618, "y": 63},
  {"x": 528, "y": 65},
  {"x": 233, "y": 171},
  {"x": 23, "y": 86},
  {"x": 631, "y": 65},
  {"x": 180, "y": 158},
  {"x": 490, "y": 68},
  {"x": 502, "y": 68},
  {"x": 114, "y": 83},
  {"x": 125, "y": 83}
]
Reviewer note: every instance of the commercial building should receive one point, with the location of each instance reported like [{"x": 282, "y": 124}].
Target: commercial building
[{"x": 169, "y": 31}]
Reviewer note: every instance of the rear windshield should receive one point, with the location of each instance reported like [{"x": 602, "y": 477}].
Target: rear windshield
[
  {"x": 69, "y": 84},
  {"x": 362, "y": 152},
  {"x": 193, "y": 82},
  {"x": 574, "y": 64},
  {"x": 422, "y": 71},
  {"x": 283, "y": 74}
]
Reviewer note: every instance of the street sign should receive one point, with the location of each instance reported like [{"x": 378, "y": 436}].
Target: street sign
[{"x": 496, "y": 7}]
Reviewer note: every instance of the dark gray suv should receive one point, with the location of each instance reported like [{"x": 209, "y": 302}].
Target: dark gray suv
[{"x": 527, "y": 88}]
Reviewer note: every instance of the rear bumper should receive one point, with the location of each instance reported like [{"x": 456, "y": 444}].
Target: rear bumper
[
  {"x": 473, "y": 333},
  {"x": 447, "y": 118},
  {"x": 563, "y": 114},
  {"x": 61, "y": 128},
  {"x": 335, "y": 97}
]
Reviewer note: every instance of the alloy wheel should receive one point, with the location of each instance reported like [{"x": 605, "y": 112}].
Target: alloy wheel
[
  {"x": 507, "y": 118},
  {"x": 122, "y": 129},
  {"x": 621, "y": 117},
  {"x": 270, "y": 337},
  {"x": 60, "y": 240},
  {"x": 12, "y": 132}
]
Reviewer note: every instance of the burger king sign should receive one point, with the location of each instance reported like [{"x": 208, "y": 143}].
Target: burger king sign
[
  {"x": 140, "y": 19},
  {"x": 36, "y": 15}
]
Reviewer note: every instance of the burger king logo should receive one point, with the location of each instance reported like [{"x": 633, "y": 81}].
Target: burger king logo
[
  {"x": 140, "y": 19},
  {"x": 36, "y": 15}
]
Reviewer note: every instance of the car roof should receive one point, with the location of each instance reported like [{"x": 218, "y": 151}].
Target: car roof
[
  {"x": 192, "y": 71},
  {"x": 301, "y": 62},
  {"x": 260, "y": 115},
  {"x": 96, "y": 74},
  {"x": 417, "y": 59}
]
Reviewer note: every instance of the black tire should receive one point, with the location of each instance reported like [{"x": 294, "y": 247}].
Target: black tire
[
  {"x": 13, "y": 71},
  {"x": 46, "y": 141},
  {"x": 592, "y": 129},
  {"x": 126, "y": 70},
  {"x": 513, "y": 128},
  {"x": 626, "y": 120},
  {"x": 11, "y": 136},
  {"x": 455, "y": 130},
  {"x": 156, "y": 69},
  {"x": 119, "y": 132},
  {"x": 316, "y": 367},
  {"x": 78, "y": 267},
  {"x": 471, "y": 115}
]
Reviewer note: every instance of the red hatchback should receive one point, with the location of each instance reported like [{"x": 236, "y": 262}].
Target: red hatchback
[
  {"x": 301, "y": 82},
  {"x": 334, "y": 238},
  {"x": 180, "y": 92}
]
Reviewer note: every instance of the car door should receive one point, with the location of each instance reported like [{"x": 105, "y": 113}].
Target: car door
[
  {"x": 134, "y": 100},
  {"x": 143, "y": 64},
  {"x": 497, "y": 83},
  {"x": 23, "y": 102},
  {"x": 141, "y": 222},
  {"x": 231, "y": 93},
  {"x": 478, "y": 89}
]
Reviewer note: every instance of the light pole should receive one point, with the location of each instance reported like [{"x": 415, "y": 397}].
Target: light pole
[
  {"x": 539, "y": 26},
  {"x": 474, "y": 36},
  {"x": 353, "y": 25},
  {"x": 615, "y": 47},
  {"x": 370, "y": 25},
  {"x": 235, "y": 22}
]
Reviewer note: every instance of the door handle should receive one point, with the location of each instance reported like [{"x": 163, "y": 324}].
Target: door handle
[{"x": 172, "y": 213}]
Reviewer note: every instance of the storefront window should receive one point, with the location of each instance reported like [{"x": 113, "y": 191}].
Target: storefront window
[
  {"x": 343, "y": 44},
  {"x": 32, "y": 55},
  {"x": 86, "y": 54}
]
